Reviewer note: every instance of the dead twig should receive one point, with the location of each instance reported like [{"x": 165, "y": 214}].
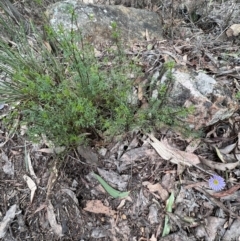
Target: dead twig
[{"x": 216, "y": 202}]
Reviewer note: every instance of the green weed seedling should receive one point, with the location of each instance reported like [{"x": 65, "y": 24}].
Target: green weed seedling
[
  {"x": 167, "y": 228},
  {"x": 111, "y": 191}
]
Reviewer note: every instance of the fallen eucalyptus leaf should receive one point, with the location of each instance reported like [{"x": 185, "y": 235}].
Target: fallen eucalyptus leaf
[
  {"x": 173, "y": 155},
  {"x": 220, "y": 155},
  {"x": 228, "y": 149},
  {"x": 32, "y": 186},
  {"x": 163, "y": 194},
  {"x": 96, "y": 206},
  {"x": 233, "y": 30},
  {"x": 57, "y": 229},
  {"x": 4, "y": 224},
  {"x": 29, "y": 164},
  {"x": 220, "y": 166}
]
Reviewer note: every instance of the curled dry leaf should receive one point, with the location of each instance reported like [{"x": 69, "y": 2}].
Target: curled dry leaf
[
  {"x": 110, "y": 190},
  {"x": 46, "y": 150},
  {"x": 31, "y": 184},
  {"x": 219, "y": 154},
  {"x": 227, "y": 192},
  {"x": 4, "y": 224},
  {"x": 30, "y": 167},
  {"x": 41, "y": 207},
  {"x": 234, "y": 30},
  {"x": 216, "y": 202},
  {"x": 173, "y": 155},
  {"x": 122, "y": 203},
  {"x": 228, "y": 149},
  {"x": 153, "y": 238},
  {"x": 56, "y": 150},
  {"x": 157, "y": 188},
  {"x": 219, "y": 166},
  {"x": 52, "y": 220},
  {"x": 96, "y": 206}
]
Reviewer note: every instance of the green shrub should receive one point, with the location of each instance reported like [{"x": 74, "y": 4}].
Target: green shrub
[{"x": 70, "y": 95}]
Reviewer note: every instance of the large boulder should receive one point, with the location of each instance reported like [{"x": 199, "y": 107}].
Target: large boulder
[{"x": 96, "y": 21}]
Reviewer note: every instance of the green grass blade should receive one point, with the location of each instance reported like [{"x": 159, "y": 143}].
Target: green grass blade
[
  {"x": 167, "y": 228},
  {"x": 111, "y": 191},
  {"x": 170, "y": 202}
]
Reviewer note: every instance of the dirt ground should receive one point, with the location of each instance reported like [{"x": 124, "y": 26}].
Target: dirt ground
[{"x": 70, "y": 204}]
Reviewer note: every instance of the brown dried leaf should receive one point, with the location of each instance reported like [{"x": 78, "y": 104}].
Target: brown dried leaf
[
  {"x": 31, "y": 184},
  {"x": 219, "y": 154},
  {"x": 52, "y": 150},
  {"x": 41, "y": 207},
  {"x": 227, "y": 192},
  {"x": 153, "y": 238},
  {"x": 219, "y": 166},
  {"x": 96, "y": 206},
  {"x": 234, "y": 30},
  {"x": 52, "y": 220},
  {"x": 157, "y": 188},
  {"x": 4, "y": 224},
  {"x": 122, "y": 203},
  {"x": 228, "y": 149},
  {"x": 46, "y": 150},
  {"x": 173, "y": 155},
  {"x": 30, "y": 167},
  {"x": 216, "y": 201}
]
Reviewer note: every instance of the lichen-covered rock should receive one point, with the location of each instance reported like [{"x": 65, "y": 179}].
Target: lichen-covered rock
[
  {"x": 212, "y": 101},
  {"x": 95, "y": 21}
]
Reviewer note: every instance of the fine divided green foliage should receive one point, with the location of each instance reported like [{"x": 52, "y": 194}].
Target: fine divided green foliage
[{"x": 67, "y": 93}]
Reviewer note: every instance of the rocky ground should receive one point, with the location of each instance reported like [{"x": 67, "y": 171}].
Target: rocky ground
[{"x": 43, "y": 197}]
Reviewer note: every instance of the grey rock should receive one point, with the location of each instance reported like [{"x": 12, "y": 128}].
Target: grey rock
[
  {"x": 95, "y": 21},
  {"x": 212, "y": 101}
]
